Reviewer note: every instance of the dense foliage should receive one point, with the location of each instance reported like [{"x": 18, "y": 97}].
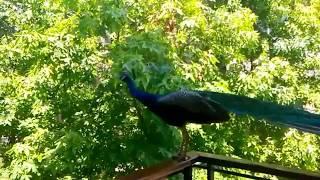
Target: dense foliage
[{"x": 64, "y": 113}]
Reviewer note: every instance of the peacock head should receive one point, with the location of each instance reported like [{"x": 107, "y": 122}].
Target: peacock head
[{"x": 124, "y": 76}]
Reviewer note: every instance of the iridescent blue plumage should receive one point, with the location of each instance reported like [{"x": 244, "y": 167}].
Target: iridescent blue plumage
[
  {"x": 261, "y": 110},
  {"x": 181, "y": 107}
]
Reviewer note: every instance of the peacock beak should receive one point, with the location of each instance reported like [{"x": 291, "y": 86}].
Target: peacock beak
[{"x": 123, "y": 75}]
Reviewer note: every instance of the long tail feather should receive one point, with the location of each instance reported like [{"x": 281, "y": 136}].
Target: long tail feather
[{"x": 286, "y": 115}]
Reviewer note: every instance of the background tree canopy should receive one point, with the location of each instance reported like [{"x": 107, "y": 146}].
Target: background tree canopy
[{"x": 65, "y": 114}]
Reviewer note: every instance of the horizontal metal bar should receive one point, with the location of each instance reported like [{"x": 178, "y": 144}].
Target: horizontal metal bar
[
  {"x": 240, "y": 174},
  {"x": 203, "y": 166}
]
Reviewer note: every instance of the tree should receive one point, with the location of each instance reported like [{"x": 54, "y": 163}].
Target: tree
[{"x": 64, "y": 112}]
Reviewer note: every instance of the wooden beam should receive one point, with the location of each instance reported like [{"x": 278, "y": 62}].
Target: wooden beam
[
  {"x": 171, "y": 167},
  {"x": 161, "y": 170}
]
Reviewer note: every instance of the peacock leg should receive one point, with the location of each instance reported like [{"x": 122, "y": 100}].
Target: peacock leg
[
  {"x": 185, "y": 141},
  {"x": 184, "y": 145}
]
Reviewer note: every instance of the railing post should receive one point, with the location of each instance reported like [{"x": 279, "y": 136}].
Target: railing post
[
  {"x": 187, "y": 173},
  {"x": 210, "y": 172}
]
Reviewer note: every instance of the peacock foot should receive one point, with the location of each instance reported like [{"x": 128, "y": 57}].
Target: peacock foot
[{"x": 180, "y": 157}]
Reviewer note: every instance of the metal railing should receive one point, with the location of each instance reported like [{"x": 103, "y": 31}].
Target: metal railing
[{"x": 217, "y": 163}]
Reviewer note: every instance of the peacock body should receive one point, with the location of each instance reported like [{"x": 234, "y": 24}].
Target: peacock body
[
  {"x": 181, "y": 107},
  {"x": 203, "y": 107}
]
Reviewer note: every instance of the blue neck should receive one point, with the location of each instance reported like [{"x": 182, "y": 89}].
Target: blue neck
[{"x": 144, "y": 97}]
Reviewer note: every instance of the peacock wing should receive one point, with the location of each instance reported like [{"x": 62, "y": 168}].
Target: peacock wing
[{"x": 189, "y": 101}]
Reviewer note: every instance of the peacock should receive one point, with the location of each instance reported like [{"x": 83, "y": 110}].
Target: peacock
[{"x": 205, "y": 107}]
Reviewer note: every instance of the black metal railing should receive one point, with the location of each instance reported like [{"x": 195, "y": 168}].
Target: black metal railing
[{"x": 217, "y": 163}]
